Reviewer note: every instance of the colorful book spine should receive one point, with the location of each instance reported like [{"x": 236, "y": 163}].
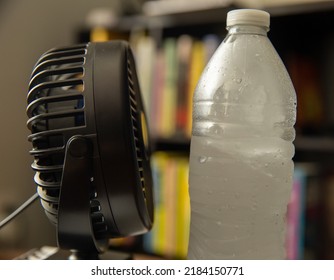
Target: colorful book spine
[
  {"x": 296, "y": 217},
  {"x": 169, "y": 99},
  {"x": 184, "y": 47},
  {"x": 197, "y": 63},
  {"x": 145, "y": 61},
  {"x": 169, "y": 235},
  {"x": 168, "y": 76}
]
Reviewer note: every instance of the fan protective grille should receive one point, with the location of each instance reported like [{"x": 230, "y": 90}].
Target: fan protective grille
[{"x": 56, "y": 109}]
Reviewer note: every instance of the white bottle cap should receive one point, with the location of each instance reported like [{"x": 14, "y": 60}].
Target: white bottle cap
[{"x": 248, "y": 17}]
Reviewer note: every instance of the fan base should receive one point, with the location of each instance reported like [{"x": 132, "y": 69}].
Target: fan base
[{"x": 54, "y": 253}]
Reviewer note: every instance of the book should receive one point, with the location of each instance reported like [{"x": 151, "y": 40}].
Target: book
[
  {"x": 169, "y": 95},
  {"x": 305, "y": 77},
  {"x": 157, "y": 94},
  {"x": 145, "y": 54},
  {"x": 169, "y": 235},
  {"x": 295, "y": 216},
  {"x": 313, "y": 211},
  {"x": 184, "y": 47},
  {"x": 327, "y": 214},
  {"x": 197, "y": 63}
]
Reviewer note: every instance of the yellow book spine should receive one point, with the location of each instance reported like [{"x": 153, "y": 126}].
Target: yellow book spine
[
  {"x": 183, "y": 208},
  {"x": 197, "y": 63}
]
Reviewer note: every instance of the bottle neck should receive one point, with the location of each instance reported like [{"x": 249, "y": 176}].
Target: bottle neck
[{"x": 248, "y": 29}]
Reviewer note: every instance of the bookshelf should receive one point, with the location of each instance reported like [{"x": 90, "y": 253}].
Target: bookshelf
[
  {"x": 303, "y": 35},
  {"x": 173, "y": 22},
  {"x": 313, "y": 142}
]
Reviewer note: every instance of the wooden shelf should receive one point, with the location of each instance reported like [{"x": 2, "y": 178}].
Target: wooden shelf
[
  {"x": 308, "y": 148},
  {"x": 162, "y": 17},
  {"x": 314, "y": 149},
  {"x": 174, "y": 144}
]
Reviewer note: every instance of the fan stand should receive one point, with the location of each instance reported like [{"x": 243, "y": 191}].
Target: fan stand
[
  {"x": 75, "y": 230},
  {"x": 109, "y": 255},
  {"x": 76, "y": 255},
  {"x": 54, "y": 253},
  {"x": 76, "y": 238}
]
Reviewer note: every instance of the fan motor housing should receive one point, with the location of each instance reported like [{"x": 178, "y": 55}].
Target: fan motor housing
[{"x": 91, "y": 92}]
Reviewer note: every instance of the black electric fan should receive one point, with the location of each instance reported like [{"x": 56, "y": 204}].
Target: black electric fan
[{"x": 90, "y": 145}]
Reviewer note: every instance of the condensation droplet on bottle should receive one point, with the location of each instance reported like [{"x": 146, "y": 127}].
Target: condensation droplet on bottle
[
  {"x": 214, "y": 111},
  {"x": 259, "y": 57},
  {"x": 221, "y": 94},
  {"x": 237, "y": 80},
  {"x": 216, "y": 129},
  {"x": 202, "y": 159},
  {"x": 292, "y": 99}
]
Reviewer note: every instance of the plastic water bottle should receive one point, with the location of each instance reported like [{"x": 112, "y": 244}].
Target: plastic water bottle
[{"x": 241, "y": 167}]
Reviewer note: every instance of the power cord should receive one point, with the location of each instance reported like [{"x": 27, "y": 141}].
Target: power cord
[{"x": 19, "y": 210}]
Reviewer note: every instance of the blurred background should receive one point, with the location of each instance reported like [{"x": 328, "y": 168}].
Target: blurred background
[{"x": 172, "y": 41}]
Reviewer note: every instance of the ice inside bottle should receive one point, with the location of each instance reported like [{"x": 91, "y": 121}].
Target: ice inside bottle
[{"x": 241, "y": 168}]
